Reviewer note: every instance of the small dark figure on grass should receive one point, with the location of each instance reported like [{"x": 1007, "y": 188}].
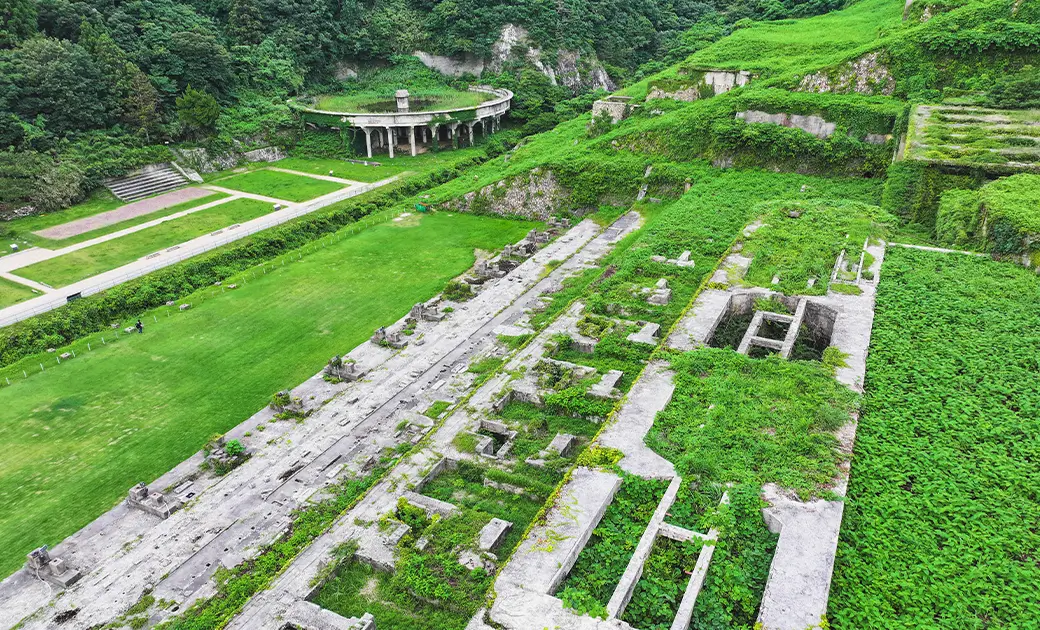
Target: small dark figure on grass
[{"x": 140, "y": 327}]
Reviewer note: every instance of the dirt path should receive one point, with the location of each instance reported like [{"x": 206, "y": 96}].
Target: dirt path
[{"x": 129, "y": 211}]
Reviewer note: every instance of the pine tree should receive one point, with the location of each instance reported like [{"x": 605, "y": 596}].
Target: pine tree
[{"x": 197, "y": 111}]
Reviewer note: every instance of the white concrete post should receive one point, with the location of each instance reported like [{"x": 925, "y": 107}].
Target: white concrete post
[
  {"x": 452, "y": 128},
  {"x": 390, "y": 141},
  {"x": 411, "y": 138},
  {"x": 470, "y": 126},
  {"x": 368, "y": 140},
  {"x": 435, "y": 132}
]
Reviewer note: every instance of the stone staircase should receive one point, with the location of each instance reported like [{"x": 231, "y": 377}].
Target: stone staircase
[{"x": 150, "y": 180}]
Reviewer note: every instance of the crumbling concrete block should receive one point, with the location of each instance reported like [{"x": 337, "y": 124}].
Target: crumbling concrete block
[
  {"x": 606, "y": 388},
  {"x": 493, "y": 533},
  {"x": 307, "y": 616},
  {"x": 392, "y": 339},
  {"x": 52, "y": 570},
  {"x": 647, "y": 335},
  {"x": 430, "y": 505},
  {"x": 343, "y": 369},
  {"x": 156, "y": 503},
  {"x": 660, "y": 295}
]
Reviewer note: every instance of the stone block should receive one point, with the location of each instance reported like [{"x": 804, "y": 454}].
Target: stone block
[
  {"x": 605, "y": 389},
  {"x": 185, "y": 307},
  {"x": 647, "y": 335},
  {"x": 493, "y": 533},
  {"x": 562, "y": 444},
  {"x": 430, "y": 505}
]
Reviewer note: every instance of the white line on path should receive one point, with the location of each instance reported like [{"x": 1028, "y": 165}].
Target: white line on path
[
  {"x": 26, "y": 282},
  {"x": 10, "y": 263},
  {"x": 328, "y": 178},
  {"x": 181, "y": 252},
  {"x": 940, "y": 250}
]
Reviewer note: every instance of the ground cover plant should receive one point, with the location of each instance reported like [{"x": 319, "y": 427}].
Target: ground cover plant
[
  {"x": 975, "y": 136},
  {"x": 737, "y": 419},
  {"x": 279, "y": 185},
  {"x": 356, "y": 588},
  {"x": 84, "y": 263},
  {"x": 237, "y": 585},
  {"x": 661, "y": 587},
  {"x": 1002, "y": 217},
  {"x": 97, "y": 312},
  {"x": 13, "y": 293},
  {"x": 92, "y": 418},
  {"x": 802, "y": 240},
  {"x": 939, "y": 529},
  {"x": 603, "y": 560},
  {"x": 350, "y": 170}
]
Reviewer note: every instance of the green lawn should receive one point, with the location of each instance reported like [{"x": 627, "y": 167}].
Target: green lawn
[
  {"x": 76, "y": 437},
  {"x": 21, "y": 230},
  {"x": 279, "y": 185},
  {"x": 384, "y": 101},
  {"x": 793, "y": 45},
  {"x": 84, "y": 263},
  {"x": 13, "y": 293},
  {"x": 387, "y": 167}
]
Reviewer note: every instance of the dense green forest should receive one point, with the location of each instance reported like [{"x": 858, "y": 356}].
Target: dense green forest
[{"x": 92, "y": 88}]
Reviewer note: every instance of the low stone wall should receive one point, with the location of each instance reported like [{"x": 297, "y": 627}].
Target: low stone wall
[
  {"x": 867, "y": 74},
  {"x": 203, "y": 161},
  {"x": 815, "y": 125},
  {"x": 10, "y": 214},
  {"x": 700, "y": 85},
  {"x": 536, "y": 196}
]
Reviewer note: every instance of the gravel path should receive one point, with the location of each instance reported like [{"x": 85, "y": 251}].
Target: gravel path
[{"x": 129, "y": 211}]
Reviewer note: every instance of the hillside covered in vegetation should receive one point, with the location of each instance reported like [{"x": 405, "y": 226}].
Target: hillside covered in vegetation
[{"x": 872, "y": 150}]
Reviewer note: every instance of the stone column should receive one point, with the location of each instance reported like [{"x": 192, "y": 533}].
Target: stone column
[
  {"x": 390, "y": 141},
  {"x": 368, "y": 140},
  {"x": 469, "y": 129},
  {"x": 411, "y": 138},
  {"x": 436, "y": 132},
  {"x": 452, "y": 134}
]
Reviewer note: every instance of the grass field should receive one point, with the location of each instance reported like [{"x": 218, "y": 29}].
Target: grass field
[
  {"x": 13, "y": 293},
  {"x": 279, "y": 185},
  {"x": 81, "y": 434},
  {"x": 387, "y": 167},
  {"x": 84, "y": 263}
]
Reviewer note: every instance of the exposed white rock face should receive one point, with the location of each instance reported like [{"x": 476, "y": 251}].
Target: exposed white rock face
[
  {"x": 866, "y": 75},
  {"x": 534, "y": 196},
  {"x": 569, "y": 69}
]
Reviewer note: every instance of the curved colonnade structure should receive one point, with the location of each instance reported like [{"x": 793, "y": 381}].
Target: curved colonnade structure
[{"x": 390, "y": 129}]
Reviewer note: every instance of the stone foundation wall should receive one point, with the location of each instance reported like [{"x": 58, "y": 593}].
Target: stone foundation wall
[
  {"x": 203, "y": 161},
  {"x": 866, "y": 75},
  {"x": 536, "y": 196}
]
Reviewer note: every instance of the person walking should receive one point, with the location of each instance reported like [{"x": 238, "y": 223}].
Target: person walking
[{"x": 140, "y": 327}]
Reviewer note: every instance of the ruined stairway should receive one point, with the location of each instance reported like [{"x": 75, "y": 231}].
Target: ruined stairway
[{"x": 150, "y": 180}]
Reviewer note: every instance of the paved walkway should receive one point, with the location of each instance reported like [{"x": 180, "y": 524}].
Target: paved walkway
[
  {"x": 39, "y": 254},
  {"x": 328, "y": 178},
  {"x": 167, "y": 257},
  {"x": 245, "y": 195},
  {"x": 941, "y": 250}
]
